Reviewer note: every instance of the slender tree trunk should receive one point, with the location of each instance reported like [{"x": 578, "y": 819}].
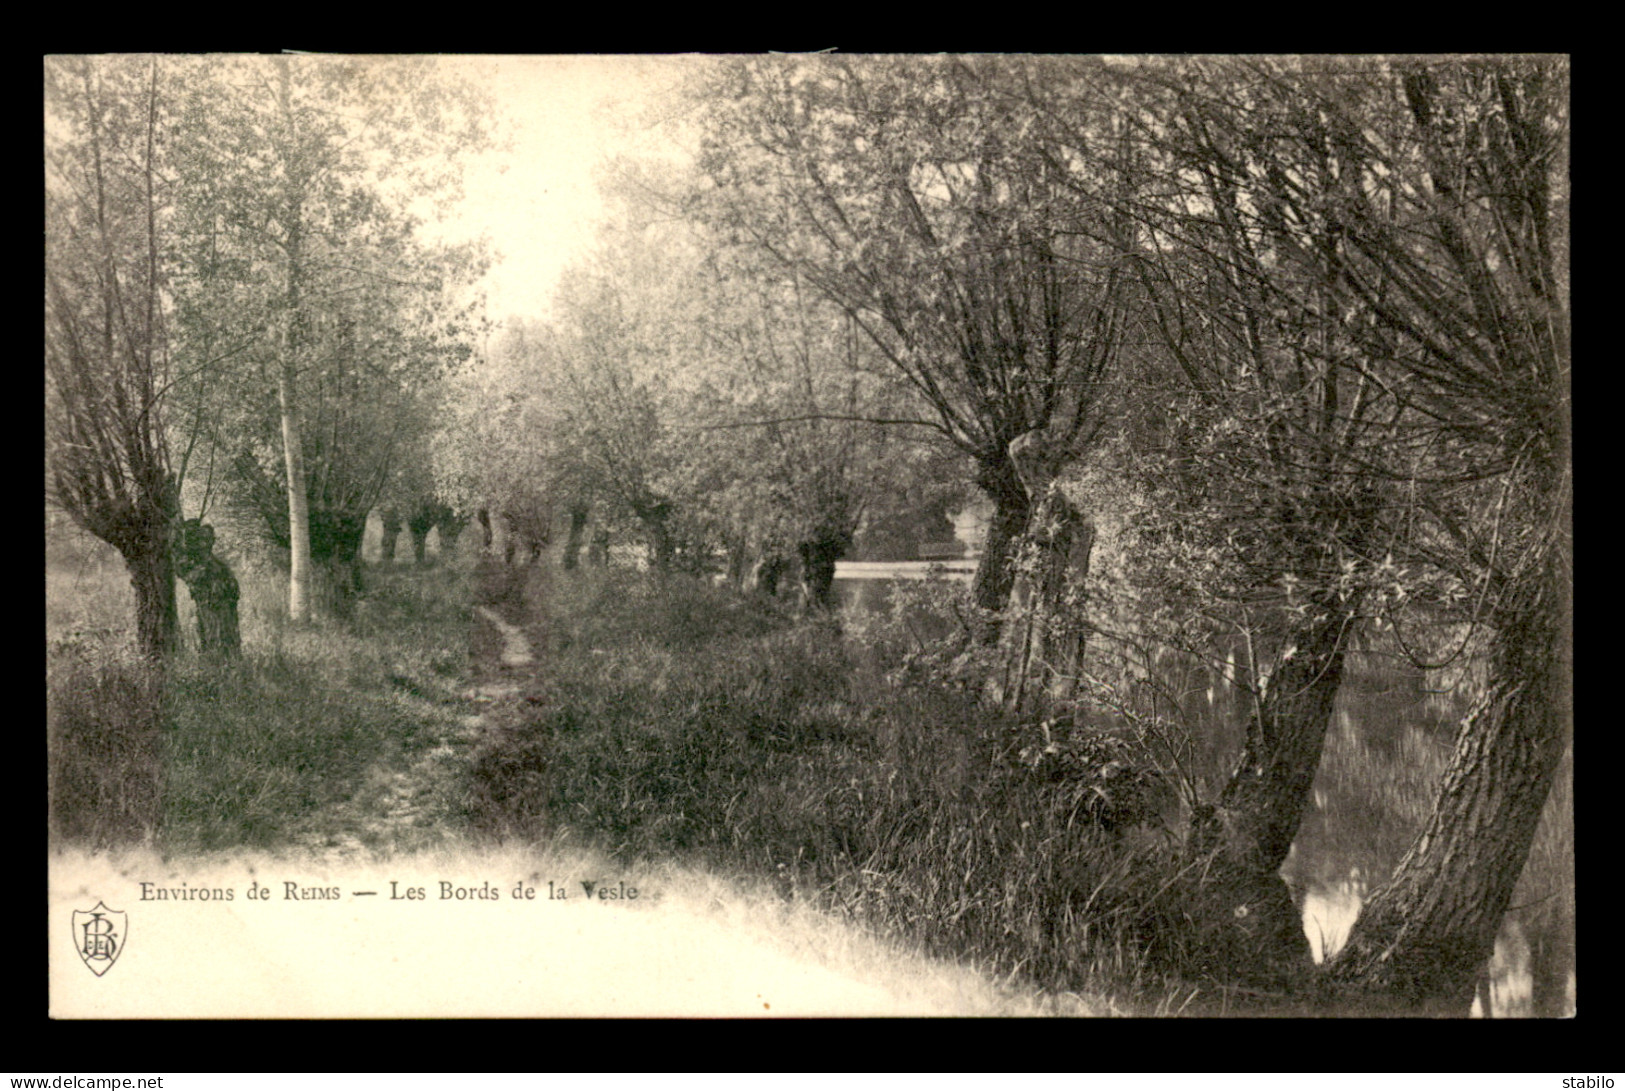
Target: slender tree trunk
[
  {"x": 483, "y": 517},
  {"x": 769, "y": 571},
  {"x": 298, "y": 503},
  {"x": 738, "y": 553},
  {"x": 510, "y": 538},
  {"x": 1550, "y": 957},
  {"x": 299, "y": 590},
  {"x": 661, "y": 546}
]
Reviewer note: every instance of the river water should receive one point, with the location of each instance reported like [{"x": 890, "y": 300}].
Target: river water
[{"x": 1389, "y": 741}]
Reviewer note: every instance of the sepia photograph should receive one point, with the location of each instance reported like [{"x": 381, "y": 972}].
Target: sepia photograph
[{"x": 789, "y": 535}]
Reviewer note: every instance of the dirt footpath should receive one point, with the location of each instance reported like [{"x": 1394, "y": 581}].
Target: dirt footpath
[{"x": 419, "y": 923}]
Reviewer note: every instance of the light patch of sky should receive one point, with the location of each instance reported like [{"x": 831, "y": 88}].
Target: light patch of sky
[{"x": 536, "y": 198}]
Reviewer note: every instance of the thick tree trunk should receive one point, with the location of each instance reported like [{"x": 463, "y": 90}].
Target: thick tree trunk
[
  {"x": 655, "y": 518},
  {"x": 336, "y": 546},
  {"x": 452, "y": 526},
  {"x": 152, "y": 576},
  {"x": 578, "y": 532},
  {"x": 818, "y": 559},
  {"x": 1259, "y": 812},
  {"x": 1422, "y": 938},
  {"x": 1043, "y": 640},
  {"x": 421, "y": 522},
  {"x": 392, "y": 532},
  {"x": 213, "y": 588},
  {"x": 995, "y": 574},
  {"x": 1242, "y": 908}
]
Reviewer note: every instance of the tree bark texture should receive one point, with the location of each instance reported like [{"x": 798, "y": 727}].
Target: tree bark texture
[
  {"x": 1423, "y": 936},
  {"x": 1012, "y": 509},
  {"x": 1043, "y": 640},
  {"x": 152, "y": 576}
]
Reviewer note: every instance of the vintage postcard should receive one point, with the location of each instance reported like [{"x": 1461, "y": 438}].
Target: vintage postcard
[{"x": 808, "y": 534}]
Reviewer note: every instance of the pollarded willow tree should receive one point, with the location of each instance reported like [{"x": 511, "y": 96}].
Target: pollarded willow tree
[
  {"x": 917, "y": 197},
  {"x": 1377, "y": 254},
  {"x": 1456, "y": 238},
  {"x": 503, "y": 447},
  {"x": 107, "y": 362},
  {"x": 793, "y": 419},
  {"x": 1265, "y": 529},
  {"x": 298, "y": 171},
  {"x": 624, "y": 354}
]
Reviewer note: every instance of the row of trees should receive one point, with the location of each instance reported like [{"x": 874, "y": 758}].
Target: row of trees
[
  {"x": 1311, "y": 318},
  {"x": 1312, "y": 315},
  {"x": 240, "y": 314}
]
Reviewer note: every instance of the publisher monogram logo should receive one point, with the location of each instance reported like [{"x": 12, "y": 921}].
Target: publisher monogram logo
[{"x": 99, "y": 936}]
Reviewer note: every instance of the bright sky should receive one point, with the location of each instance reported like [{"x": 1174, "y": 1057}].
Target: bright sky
[{"x": 538, "y": 200}]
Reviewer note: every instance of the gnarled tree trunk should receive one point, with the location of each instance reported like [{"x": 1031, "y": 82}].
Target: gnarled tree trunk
[
  {"x": 1422, "y": 938},
  {"x": 1012, "y": 509},
  {"x": 1043, "y": 641},
  {"x": 1245, "y": 907},
  {"x": 213, "y": 588}
]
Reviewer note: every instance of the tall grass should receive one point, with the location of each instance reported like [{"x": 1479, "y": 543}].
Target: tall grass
[
  {"x": 256, "y": 748},
  {"x": 104, "y": 745},
  {"x": 679, "y": 721},
  {"x": 207, "y": 755}
]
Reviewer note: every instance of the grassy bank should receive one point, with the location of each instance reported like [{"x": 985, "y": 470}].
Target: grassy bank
[
  {"x": 253, "y": 753},
  {"x": 681, "y": 722}
]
